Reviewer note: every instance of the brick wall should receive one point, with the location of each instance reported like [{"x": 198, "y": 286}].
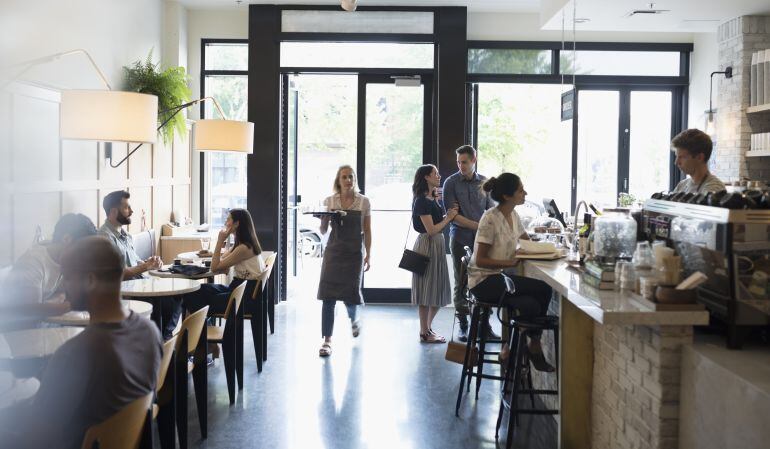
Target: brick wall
[
  {"x": 636, "y": 385},
  {"x": 737, "y": 40}
]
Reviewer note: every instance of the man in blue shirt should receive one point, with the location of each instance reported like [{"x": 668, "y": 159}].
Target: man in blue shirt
[{"x": 464, "y": 189}]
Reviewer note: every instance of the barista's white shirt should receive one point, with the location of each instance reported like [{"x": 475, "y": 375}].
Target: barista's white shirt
[{"x": 495, "y": 231}]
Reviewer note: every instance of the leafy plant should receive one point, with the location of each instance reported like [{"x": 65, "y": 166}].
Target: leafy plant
[
  {"x": 626, "y": 199},
  {"x": 171, "y": 88}
]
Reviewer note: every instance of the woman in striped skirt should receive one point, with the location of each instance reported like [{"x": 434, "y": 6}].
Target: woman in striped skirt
[{"x": 430, "y": 291}]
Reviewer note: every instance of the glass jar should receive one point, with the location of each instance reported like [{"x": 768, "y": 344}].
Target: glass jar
[{"x": 614, "y": 234}]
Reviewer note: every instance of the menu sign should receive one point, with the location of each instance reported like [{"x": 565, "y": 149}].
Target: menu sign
[{"x": 567, "y": 104}]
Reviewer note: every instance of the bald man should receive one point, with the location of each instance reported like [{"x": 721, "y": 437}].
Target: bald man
[{"x": 113, "y": 362}]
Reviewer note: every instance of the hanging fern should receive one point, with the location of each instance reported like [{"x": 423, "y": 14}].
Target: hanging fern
[{"x": 171, "y": 87}]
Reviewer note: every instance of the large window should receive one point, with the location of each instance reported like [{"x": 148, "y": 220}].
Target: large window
[
  {"x": 356, "y": 55},
  {"x": 520, "y": 131},
  {"x": 224, "y": 78},
  {"x": 629, "y": 102}
]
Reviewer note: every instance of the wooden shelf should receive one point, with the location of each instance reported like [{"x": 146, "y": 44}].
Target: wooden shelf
[
  {"x": 757, "y": 153},
  {"x": 757, "y": 109}
]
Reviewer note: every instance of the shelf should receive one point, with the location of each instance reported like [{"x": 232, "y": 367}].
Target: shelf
[
  {"x": 757, "y": 109},
  {"x": 757, "y": 153}
]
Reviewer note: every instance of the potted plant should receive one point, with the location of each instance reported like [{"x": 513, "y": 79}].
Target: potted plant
[{"x": 171, "y": 88}]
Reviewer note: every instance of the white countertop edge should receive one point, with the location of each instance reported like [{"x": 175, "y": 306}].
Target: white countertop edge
[{"x": 613, "y": 317}]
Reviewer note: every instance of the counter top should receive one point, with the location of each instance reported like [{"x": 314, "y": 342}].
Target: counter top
[{"x": 606, "y": 306}]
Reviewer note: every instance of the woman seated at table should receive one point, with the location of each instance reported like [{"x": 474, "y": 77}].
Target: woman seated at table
[
  {"x": 245, "y": 257},
  {"x": 497, "y": 237}
]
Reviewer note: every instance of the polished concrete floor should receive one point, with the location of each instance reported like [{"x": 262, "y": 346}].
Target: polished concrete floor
[{"x": 383, "y": 389}]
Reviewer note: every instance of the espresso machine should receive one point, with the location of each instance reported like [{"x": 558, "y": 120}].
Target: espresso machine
[{"x": 731, "y": 247}]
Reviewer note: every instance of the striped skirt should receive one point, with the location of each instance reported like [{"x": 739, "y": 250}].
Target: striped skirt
[{"x": 432, "y": 288}]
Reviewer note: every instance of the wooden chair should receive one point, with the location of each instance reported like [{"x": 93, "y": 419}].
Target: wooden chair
[
  {"x": 227, "y": 335},
  {"x": 164, "y": 411},
  {"x": 192, "y": 341},
  {"x": 123, "y": 430},
  {"x": 258, "y": 313}
]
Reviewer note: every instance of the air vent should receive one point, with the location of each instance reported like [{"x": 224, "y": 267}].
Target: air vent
[{"x": 639, "y": 12}]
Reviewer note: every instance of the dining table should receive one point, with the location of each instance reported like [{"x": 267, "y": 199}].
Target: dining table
[
  {"x": 24, "y": 352},
  {"x": 156, "y": 289},
  {"x": 82, "y": 317}
]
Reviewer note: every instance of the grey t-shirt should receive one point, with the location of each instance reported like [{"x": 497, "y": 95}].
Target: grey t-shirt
[
  {"x": 710, "y": 184},
  {"x": 93, "y": 376}
]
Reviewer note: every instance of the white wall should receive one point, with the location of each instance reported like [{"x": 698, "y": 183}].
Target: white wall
[
  {"x": 174, "y": 34},
  {"x": 115, "y": 32},
  {"x": 41, "y": 176},
  {"x": 704, "y": 60}
]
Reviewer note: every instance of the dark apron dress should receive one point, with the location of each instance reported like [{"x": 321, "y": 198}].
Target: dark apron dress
[{"x": 342, "y": 268}]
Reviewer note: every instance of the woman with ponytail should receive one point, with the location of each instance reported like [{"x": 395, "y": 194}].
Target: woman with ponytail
[{"x": 495, "y": 250}]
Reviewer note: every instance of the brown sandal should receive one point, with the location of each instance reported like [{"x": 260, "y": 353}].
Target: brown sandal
[{"x": 432, "y": 337}]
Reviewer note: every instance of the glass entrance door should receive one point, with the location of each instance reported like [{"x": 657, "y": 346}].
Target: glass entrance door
[{"x": 394, "y": 138}]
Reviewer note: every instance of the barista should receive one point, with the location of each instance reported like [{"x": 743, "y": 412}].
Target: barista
[{"x": 693, "y": 150}]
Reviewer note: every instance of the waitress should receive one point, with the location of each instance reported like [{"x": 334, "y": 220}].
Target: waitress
[{"x": 346, "y": 255}]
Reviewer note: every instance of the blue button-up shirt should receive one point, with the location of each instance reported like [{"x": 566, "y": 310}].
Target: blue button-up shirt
[
  {"x": 473, "y": 202},
  {"x": 123, "y": 242}
]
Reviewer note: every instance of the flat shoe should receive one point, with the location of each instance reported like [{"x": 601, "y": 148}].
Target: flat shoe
[
  {"x": 539, "y": 362},
  {"x": 356, "y": 328}
]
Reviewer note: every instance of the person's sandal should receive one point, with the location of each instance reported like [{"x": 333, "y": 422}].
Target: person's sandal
[
  {"x": 539, "y": 362},
  {"x": 355, "y": 326},
  {"x": 326, "y": 350},
  {"x": 432, "y": 337}
]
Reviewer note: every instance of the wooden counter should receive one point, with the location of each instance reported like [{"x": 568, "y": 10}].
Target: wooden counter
[{"x": 619, "y": 364}]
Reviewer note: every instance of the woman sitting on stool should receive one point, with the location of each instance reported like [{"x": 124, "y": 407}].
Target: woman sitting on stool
[
  {"x": 245, "y": 257},
  {"x": 495, "y": 250}
]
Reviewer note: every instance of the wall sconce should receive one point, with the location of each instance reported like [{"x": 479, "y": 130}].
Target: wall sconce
[
  {"x": 105, "y": 115},
  {"x": 208, "y": 134},
  {"x": 710, "y": 126},
  {"x": 118, "y": 116}
]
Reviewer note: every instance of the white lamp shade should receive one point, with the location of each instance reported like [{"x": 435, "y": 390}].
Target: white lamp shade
[
  {"x": 223, "y": 135},
  {"x": 108, "y": 115}
]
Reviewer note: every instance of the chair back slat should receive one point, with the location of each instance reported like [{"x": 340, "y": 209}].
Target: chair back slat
[
  {"x": 165, "y": 361},
  {"x": 123, "y": 430},
  {"x": 194, "y": 325},
  {"x": 235, "y": 300}
]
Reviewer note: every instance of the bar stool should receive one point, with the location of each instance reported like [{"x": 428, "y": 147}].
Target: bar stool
[
  {"x": 518, "y": 374},
  {"x": 479, "y": 315}
]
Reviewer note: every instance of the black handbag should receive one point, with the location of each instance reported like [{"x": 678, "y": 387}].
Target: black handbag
[{"x": 413, "y": 261}]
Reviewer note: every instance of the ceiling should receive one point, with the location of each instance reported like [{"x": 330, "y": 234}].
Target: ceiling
[
  {"x": 683, "y": 15},
  {"x": 517, "y": 6},
  {"x": 605, "y": 15}
]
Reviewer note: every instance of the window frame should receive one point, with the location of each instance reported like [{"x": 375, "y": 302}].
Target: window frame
[
  {"x": 204, "y": 183},
  {"x": 678, "y": 85}
]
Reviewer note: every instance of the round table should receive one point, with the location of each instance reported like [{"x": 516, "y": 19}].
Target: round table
[
  {"x": 191, "y": 256},
  {"x": 168, "y": 274},
  {"x": 82, "y": 318},
  {"x": 155, "y": 289},
  {"x": 34, "y": 343}
]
